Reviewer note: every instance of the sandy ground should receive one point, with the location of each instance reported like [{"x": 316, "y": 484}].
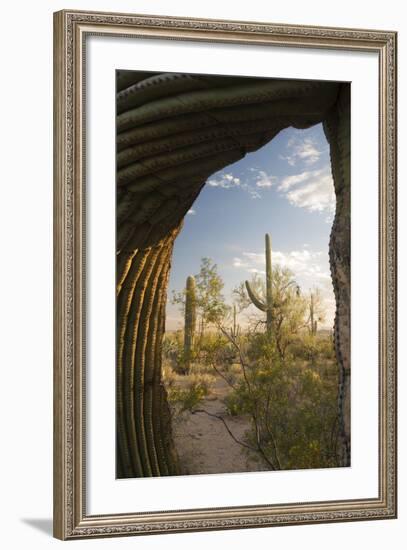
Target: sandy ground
[{"x": 203, "y": 444}]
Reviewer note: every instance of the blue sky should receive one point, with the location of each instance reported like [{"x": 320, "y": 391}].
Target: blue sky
[{"x": 285, "y": 189}]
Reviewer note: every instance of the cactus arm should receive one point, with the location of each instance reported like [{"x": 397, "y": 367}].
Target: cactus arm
[{"x": 256, "y": 301}]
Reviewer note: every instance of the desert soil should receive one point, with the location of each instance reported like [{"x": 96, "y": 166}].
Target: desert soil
[{"x": 203, "y": 444}]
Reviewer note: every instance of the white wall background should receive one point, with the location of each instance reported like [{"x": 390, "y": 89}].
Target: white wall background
[{"x": 26, "y": 284}]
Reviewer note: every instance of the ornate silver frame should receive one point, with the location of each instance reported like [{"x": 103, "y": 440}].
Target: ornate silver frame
[{"x": 70, "y": 518}]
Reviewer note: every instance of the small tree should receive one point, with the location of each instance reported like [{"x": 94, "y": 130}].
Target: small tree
[{"x": 209, "y": 300}]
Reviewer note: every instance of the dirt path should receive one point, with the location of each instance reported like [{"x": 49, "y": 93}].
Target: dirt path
[{"x": 203, "y": 443}]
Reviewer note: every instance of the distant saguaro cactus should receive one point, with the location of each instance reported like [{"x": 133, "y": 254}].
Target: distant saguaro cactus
[
  {"x": 312, "y": 320},
  {"x": 190, "y": 321},
  {"x": 267, "y": 304},
  {"x": 235, "y": 329},
  {"x": 311, "y": 314}
]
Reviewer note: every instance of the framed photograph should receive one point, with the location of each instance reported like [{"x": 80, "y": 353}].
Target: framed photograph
[{"x": 225, "y": 274}]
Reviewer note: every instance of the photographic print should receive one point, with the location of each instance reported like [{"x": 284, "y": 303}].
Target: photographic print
[
  {"x": 207, "y": 307},
  {"x": 233, "y": 274}
]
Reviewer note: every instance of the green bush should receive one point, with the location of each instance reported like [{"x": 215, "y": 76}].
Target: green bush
[
  {"x": 190, "y": 394},
  {"x": 293, "y": 408},
  {"x": 313, "y": 347}
]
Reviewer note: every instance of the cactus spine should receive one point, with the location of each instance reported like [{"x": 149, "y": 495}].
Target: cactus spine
[
  {"x": 267, "y": 304},
  {"x": 190, "y": 321}
]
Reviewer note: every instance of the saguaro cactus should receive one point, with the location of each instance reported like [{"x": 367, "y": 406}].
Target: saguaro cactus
[
  {"x": 313, "y": 324},
  {"x": 235, "y": 329},
  {"x": 190, "y": 321},
  {"x": 267, "y": 304}
]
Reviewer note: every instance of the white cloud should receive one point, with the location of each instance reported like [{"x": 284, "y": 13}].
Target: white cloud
[
  {"x": 239, "y": 263},
  {"x": 226, "y": 181},
  {"x": 310, "y": 189},
  {"x": 313, "y": 190},
  {"x": 252, "y": 192},
  {"x": 302, "y": 150},
  {"x": 302, "y": 262},
  {"x": 310, "y": 268},
  {"x": 191, "y": 212},
  {"x": 264, "y": 180},
  {"x": 290, "y": 181},
  {"x": 229, "y": 181}
]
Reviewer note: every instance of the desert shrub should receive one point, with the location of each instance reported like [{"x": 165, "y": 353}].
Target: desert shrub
[
  {"x": 216, "y": 349},
  {"x": 182, "y": 400},
  {"x": 218, "y": 355},
  {"x": 186, "y": 392},
  {"x": 306, "y": 347},
  {"x": 173, "y": 353},
  {"x": 202, "y": 381},
  {"x": 313, "y": 347},
  {"x": 234, "y": 403},
  {"x": 292, "y": 408},
  {"x": 169, "y": 376},
  {"x": 326, "y": 348},
  {"x": 172, "y": 348}
]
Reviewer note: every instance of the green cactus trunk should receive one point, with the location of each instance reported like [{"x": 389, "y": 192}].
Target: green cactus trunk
[
  {"x": 267, "y": 304},
  {"x": 190, "y": 322}
]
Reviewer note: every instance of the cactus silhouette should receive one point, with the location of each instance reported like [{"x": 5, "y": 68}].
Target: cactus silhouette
[
  {"x": 267, "y": 304},
  {"x": 190, "y": 321}
]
